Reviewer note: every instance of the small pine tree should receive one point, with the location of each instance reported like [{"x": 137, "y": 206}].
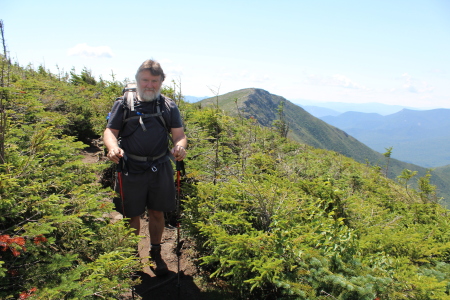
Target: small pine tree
[
  {"x": 387, "y": 154},
  {"x": 281, "y": 126}
]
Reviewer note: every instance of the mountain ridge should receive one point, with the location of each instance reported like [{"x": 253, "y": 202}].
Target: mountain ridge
[
  {"x": 305, "y": 128},
  {"x": 419, "y": 137},
  {"x": 341, "y": 107}
]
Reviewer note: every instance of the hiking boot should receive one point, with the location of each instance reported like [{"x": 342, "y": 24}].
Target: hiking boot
[{"x": 160, "y": 268}]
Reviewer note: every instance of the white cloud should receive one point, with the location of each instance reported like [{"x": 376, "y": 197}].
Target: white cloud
[
  {"x": 85, "y": 50},
  {"x": 413, "y": 85},
  {"x": 243, "y": 77},
  {"x": 343, "y": 81},
  {"x": 251, "y": 77},
  {"x": 173, "y": 70},
  {"x": 337, "y": 80},
  {"x": 438, "y": 71},
  {"x": 176, "y": 71},
  {"x": 165, "y": 61}
]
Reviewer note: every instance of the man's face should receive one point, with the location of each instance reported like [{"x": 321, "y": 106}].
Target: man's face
[{"x": 148, "y": 86}]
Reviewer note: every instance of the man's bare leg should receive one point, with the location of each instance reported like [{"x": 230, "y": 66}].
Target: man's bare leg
[
  {"x": 156, "y": 224},
  {"x": 135, "y": 223}
]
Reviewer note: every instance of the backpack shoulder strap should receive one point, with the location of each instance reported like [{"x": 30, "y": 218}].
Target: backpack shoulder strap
[
  {"x": 128, "y": 105},
  {"x": 125, "y": 112},
  {"x": 160, "y": 103}
]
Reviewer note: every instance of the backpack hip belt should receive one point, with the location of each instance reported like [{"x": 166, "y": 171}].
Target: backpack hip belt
[{"x": 144, "y": 158}]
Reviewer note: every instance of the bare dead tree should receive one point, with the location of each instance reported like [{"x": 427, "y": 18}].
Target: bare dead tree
[{"x": 4, "y": 81}]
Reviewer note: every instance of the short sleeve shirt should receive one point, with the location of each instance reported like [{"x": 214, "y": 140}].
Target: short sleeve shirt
[{"x": 153, "y": 141}]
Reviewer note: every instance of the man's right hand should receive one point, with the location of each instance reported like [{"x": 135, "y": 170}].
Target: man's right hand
[{"x": 115, "y": 154}]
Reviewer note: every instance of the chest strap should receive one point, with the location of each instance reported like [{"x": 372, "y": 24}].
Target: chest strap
[
  {"x": 144, "y": 158},
  {"x": 142, "y": 116}
]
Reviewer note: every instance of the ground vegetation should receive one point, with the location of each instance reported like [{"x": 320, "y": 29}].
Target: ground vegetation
[{"x": 269, "y": 217}]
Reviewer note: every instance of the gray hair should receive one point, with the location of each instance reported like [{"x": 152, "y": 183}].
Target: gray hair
[{"x": 153, "y": 66}]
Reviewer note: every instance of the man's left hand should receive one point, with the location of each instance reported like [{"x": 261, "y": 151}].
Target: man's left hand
[{"x": 179, "y": 152}]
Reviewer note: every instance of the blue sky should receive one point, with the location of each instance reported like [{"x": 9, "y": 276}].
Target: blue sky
[{"x": 392, "y": 52}]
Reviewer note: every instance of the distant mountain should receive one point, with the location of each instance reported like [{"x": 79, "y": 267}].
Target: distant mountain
[
  {"x": 418, "y": 137},
  {"x": 193, "y": 99},
  {"x": 318, "y": 112},
  {"x": 443, "y": 171},
  {"x": 305, "y": 128},
  {"x": 340, "y": 107}
]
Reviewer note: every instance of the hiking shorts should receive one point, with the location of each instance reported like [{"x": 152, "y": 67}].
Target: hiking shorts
[{"x": 153, "y": 189}]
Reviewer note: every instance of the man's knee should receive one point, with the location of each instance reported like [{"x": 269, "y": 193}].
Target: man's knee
[
  {"x": 155, "y": 214},
  {"x": 135, "y": 223},
  {"x": 135, "y": 219}
]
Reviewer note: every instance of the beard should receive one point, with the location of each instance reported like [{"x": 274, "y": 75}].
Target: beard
[{"x": 148, "y": 95}]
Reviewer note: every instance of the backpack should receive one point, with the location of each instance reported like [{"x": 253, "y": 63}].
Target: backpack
[{"x": 128, "y": 95}]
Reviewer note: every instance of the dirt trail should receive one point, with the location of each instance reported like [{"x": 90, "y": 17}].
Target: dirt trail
[{"x": 173, "y": 286}]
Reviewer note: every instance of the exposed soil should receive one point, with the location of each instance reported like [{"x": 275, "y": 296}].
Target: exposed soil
[
  {"x": 175, "y": 285},
  {"x": 92, "y": 155},
  {"x": 180, "y": 284}
]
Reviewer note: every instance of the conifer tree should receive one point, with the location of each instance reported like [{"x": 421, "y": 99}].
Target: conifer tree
[
  {"x": 282, "y": 127},
  {"x": 4, "y": 78},
  {"x": 387, "y": 154}
]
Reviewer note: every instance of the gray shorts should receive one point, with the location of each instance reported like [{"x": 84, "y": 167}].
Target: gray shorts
[{"x": 152, "y": 189}]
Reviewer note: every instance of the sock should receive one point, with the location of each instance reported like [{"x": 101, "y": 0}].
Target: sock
[{"x": 155, "y": 245}]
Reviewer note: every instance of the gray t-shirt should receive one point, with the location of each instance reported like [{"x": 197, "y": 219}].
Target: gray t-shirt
[{"x": 134, "y": 139}]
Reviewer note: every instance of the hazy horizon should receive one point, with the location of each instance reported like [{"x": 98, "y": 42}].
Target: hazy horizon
[{"x": 392, "y": 52}]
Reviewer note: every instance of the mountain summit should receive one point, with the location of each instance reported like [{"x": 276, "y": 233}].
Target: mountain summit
[
  {"x": 303, "y": 127},
  {"x": 307, "y": 129}
]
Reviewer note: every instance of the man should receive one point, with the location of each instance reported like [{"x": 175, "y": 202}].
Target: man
[{"x": 147, "y": 181}]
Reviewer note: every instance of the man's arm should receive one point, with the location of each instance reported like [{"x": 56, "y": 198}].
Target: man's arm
[
  {"x": 179, "y": 142},
  {"x": 110, "y": 139}
]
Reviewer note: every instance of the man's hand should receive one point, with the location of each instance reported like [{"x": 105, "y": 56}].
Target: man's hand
[
  {"x": 178, "y": 152},
  {"x": 115, "y": 154},
  {"x": 180, "y": 142}
]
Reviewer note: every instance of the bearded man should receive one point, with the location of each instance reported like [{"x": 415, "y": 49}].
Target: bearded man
[{"x": 140, "y": 141}]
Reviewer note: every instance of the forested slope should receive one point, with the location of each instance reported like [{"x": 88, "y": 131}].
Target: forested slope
[
  {"x": 271, "y": 218},
  {"x": 56, "y": 238},
  {"x": 305, "y": 128},
  {"x": 275, "y": 218}
]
